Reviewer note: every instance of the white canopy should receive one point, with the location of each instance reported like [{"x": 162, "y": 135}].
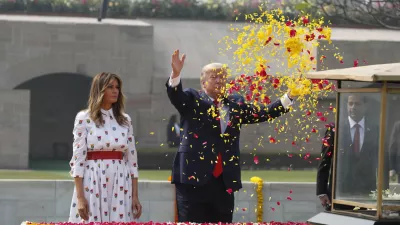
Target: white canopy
[{"x": 379, "y": 72}]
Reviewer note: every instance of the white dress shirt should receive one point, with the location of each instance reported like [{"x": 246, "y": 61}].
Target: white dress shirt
[
  {"x": 224, "y": 110},
  {"x": 177, "y": 129},
  {"x": 353, "y": 130}
]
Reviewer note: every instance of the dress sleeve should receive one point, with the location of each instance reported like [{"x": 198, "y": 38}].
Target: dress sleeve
[
  {"x": 79, "y": 147},
  {"x": 131, "y": 154}
]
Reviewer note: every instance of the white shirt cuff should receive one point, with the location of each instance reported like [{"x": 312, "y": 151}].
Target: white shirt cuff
[
  {"x": 286, "y": 102},
  {"x": 173, "y": 82},
  {"x": 135, "y": 172}
]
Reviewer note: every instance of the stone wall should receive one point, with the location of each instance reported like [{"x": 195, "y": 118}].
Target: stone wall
[
  {"x": 33, "y": 47},
  {"x": 14, "y": 128},
  {"x": 49, "y": 201},
  {"x": 139, "y": 51},
  {"x": 22, "y": 200}
]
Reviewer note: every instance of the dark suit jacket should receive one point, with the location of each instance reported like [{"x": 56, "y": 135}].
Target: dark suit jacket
[
  {"x": 325, "y": 167},
  {"x": 201, "y": 138},
  {"x": 394, "y": 148},
  {"x": 172, "y": 138},
  {"x": 356, "y": 173}
]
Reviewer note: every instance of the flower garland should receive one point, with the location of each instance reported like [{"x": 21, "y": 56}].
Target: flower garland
[
  {"x": 260, "y": 198},
  {"x": 161, "y": 223}
]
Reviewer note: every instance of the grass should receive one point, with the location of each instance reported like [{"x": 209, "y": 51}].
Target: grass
[
  {"x": 266, "y": 175},
  {"x": 58, "y": 170}
]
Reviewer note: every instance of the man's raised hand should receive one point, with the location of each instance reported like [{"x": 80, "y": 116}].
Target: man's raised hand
[{"x": 177, "y": 63}]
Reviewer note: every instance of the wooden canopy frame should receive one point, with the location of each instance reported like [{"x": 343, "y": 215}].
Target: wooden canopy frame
[{"x": 383, "y": 74}]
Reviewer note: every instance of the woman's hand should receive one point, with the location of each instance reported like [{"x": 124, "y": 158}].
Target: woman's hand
[
  {"x": 83, "y": 208},
  {"x": 136, "y": 208}
]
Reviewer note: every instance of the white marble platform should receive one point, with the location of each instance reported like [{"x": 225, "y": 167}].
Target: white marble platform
[{"x": 49, "y": 201}]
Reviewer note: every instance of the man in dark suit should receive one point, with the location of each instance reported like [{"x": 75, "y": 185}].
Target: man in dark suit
[
  {"x": 394, "y": 152},
  {"x": 357, "y": 158},
  {"x": 206, "y": 168},
  {"x": 324, "y": 174}
]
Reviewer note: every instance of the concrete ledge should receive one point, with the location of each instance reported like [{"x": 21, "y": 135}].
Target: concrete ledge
[{"x": 49, "y": 201}]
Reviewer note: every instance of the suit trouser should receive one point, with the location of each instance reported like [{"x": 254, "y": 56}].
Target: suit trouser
[{"x": 210, "y": 203}]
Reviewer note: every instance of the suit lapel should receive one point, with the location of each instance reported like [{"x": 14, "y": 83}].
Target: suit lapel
[
  {"x": 348, "y": 143},
  {"x": 204, "y": 97},
  {"x": 232, "y": 112},
  {"x": 366, "y": 147},
  {"x": 209, "y": 103},
  {"x": 344, "y": 148}
]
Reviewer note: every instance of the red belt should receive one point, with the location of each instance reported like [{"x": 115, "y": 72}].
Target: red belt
[{"x": 93, "y": 155}]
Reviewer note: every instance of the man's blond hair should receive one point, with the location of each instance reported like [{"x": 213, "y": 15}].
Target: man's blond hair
[{"x": 212, "y": 67}]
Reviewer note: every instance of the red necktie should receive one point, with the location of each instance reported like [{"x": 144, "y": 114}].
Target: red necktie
[
  {"x": 218, "y": 166},
  {"x": 356, "y": 140}
]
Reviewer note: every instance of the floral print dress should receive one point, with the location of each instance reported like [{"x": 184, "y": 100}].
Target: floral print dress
[{"x": 107, "y": 183}]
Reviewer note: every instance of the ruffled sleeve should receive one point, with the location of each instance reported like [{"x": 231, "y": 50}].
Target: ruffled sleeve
[
  {"x": 78, "y": 160},
  {"x": 131, "y": 154}
]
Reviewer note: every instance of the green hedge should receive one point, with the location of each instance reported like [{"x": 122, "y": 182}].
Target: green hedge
[{"x": 184, "y": 9}]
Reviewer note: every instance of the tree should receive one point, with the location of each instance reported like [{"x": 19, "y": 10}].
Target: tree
[{"x": 384, "y": 13}]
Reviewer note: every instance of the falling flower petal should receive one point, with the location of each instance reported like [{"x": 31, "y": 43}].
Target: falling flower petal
[
  {"x": 255, "y": 159},
  {"x": 355, "y": 63},
  {"x": 267, "y": 66}
]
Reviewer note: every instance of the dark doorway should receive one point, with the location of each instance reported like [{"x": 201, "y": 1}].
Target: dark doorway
[{"x": 55, "y": 101}]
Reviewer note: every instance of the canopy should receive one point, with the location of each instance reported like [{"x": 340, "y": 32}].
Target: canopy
[{"x": 379, "y": 72}]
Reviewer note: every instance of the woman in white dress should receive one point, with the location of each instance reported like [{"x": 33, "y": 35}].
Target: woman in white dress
[{"x": 104, "y": 162}]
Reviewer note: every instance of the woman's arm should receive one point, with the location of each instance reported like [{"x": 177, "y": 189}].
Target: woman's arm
[
  {"x": 78, "y": 160},
  {"x": 131, "y": 157},
  {"x": 131, "y": 154},
  {"x": 79, "y": 187},
  {"x": 135, "y": 193}
]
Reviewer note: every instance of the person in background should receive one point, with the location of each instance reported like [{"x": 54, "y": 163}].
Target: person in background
[
  {"x": 358, "y": 148},
  {"x": 173, "y": 132},
  {"x": 394, "y": 152},
  {"x": 325, "y": 168},
  {"x": 104, "y": 164}
]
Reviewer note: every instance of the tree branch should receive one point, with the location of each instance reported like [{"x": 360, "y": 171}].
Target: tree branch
[{"x": 383, "y": 13}]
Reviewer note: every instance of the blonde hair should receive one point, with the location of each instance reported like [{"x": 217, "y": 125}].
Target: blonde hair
[
  {"x": 99, "y": 85},
  {"x": 211, "y": 67}
]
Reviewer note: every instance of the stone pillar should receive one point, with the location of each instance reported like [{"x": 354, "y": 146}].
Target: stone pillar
[{"x": 14, "y": 132}]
